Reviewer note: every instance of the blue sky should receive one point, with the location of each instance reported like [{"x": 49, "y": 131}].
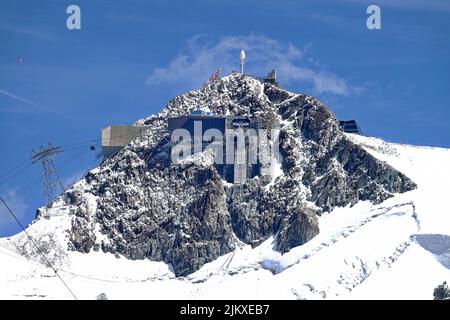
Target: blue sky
[{"x": 131, "y": 57}]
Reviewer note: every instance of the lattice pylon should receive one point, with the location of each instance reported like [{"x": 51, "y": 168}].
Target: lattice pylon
[{"x": 50, "y": 176}]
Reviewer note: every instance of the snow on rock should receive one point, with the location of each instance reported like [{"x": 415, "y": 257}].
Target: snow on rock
[
  {"x": 181, "y": 213},
  {"x": 185, "y": 233}
]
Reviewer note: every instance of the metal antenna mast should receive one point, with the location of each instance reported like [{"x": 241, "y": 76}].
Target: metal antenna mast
[
  {"x": 51, "y": 179},
  {"x": 242, "y": 58}
]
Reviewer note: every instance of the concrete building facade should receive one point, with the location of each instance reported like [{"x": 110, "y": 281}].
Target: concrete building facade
[
  {"x": 116, "y": 137},
  {"x": 236, "y": 167}
]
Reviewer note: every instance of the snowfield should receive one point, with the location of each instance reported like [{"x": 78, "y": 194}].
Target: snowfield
[{"x": 399, "y": 249}]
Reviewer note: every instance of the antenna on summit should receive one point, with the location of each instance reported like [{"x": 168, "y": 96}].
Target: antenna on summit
[{"x": 242, "y": 57}]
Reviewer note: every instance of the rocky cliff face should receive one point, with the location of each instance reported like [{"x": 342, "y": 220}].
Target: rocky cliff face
[{"x": 142, "y": 206}]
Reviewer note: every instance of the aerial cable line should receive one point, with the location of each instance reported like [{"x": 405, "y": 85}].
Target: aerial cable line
[
  {"x": 15, "y": 168},
  {"x": 13, "y": 173},
  {"x": 38, "y": 248},
  {"x": 94, "y": 141},
  {"x": 38, "y": 178},
  {"x": 26, "y": 164},
  {"x": 14, "y": 254},
  {"x": 85, "y": 147}
]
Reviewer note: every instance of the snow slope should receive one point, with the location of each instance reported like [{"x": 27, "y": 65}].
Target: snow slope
[{"x": 399, "y": 249}]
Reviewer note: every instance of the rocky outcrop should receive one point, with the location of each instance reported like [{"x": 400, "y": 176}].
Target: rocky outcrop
[
  {"x": 177, "y": 214},
  {"x": 442, "y": 292},
  {"x": 297, "y": 228},
  {"x": 142, "y": 206}
]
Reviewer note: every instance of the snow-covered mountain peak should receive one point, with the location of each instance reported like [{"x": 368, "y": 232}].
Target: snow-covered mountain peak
[{"x": 141, "y": 205}]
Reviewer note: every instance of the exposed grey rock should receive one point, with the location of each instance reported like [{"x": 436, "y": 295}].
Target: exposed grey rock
[
  {"x": 102, "y": 296},
  {"x": 184, "y": 214},
  {"x": 297, "y": 228},
  {"x": 442, "y": 292}
]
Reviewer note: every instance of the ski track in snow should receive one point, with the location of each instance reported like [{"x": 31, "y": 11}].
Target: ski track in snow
[{"x": 344, "y": 234}]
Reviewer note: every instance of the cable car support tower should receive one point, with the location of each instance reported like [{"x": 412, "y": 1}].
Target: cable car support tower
[{"x": 51, "y": 178}]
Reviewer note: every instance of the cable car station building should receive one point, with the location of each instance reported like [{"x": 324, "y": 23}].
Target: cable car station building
[{"x": 236, "y": 167}]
